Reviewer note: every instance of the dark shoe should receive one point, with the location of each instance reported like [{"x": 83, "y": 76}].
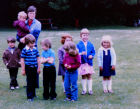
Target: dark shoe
[
  {"x": 52, "y": 98},
  {"x": 45, "y": 98}
]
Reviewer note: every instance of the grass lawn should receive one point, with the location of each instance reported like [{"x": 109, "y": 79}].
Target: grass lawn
[{"x": 125, "y": 84}]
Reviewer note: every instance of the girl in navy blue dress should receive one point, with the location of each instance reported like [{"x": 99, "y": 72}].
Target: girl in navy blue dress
[{"x": 107, "y": 62}]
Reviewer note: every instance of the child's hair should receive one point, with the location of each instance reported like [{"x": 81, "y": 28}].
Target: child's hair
[
  {"x": 46, "y": 42},
  {"x": 31, "y": 9},
  {"x": 70, "y": 47},
  {"x": 84, "y": 31},
  {"x": 11, "y": 39},
  {"x": 29, "y": 38},
  {"x": 64, "y": 37},
  {"x": 107, "y": 38},
  {"x": 22, "y": 14}
]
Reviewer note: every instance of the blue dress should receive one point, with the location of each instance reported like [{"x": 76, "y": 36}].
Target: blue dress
[{"x": 107, "y": 71}]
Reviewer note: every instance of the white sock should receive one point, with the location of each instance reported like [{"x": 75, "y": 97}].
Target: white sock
[
  {"x": 63, "y": 86},
  {"x": 104, "y": 84},
  {"x": 89, "y": 85},
  {"x": 109, "y": 84},
  {"x": 84, "y": 84}
]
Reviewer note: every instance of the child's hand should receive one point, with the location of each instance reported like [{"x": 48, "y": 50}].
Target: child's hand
[
  {"x": 101, "y": 68},
  {"x": 83, "y": 53},
  {"x": 50, "y": 60},
  {"x": 23, "y": 72},
  {"x": 90, "y": 56},
  {"x": 65, "y": 65},
  {"x": 46, "y": 59},
  {"x": 68, "y": 67},
  {"x": 38, "y": 70},
  {"x": 19, "y": 63},
  {"x": 22, "y": 40},
  {"x": 113, "y": 67}
]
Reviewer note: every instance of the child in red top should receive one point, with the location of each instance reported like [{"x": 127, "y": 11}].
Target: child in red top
[
  {"x": 22, "y": 29},
  {"x": 71, "y": 62}
]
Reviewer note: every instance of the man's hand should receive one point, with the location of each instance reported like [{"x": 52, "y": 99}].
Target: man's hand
[
  {"x": 101, "y": 68},
  {"x": 23, "y": 72}
]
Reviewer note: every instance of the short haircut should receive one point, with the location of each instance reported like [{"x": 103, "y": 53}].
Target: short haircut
[
  {"x": 29, "y": 38},
  {"x": 11, "y": 39},
  {"x": 22, "y": 14},
  {"x": 64, "y": 37},
  {"x": 31, "y": 9},
  {"x": 46, "y": 42},
  {"x": 84, "y": 31}
]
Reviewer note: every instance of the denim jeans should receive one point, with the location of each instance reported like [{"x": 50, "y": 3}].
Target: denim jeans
[{"x": 70, "y": 83}]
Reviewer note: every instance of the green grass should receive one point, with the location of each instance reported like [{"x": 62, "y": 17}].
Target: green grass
[{"x": 125, "y": 83}]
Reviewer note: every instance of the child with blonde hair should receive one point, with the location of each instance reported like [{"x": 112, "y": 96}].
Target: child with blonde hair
[
  {"x": 22, "y": 29},
  {"x": 71, "y": 62},
  {"x": 107, "y": 62},
  {"x": 87, "y": 53}
]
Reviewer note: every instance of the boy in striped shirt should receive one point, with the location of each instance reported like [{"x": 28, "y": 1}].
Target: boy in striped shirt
[{"x": 30, "y": 64}]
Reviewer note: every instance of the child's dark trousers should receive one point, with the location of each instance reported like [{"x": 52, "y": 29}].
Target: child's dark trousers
[
  {"x": 13, "y": 76},
  {"x": 49, "y": 80},
  {"x": 31, "y": 74}
]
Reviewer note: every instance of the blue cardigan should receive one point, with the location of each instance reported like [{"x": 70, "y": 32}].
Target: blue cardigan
[{"x": 90, "y": 51}]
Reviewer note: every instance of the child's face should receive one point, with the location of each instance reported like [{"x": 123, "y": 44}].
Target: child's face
[
  {"x": 31, "y": 15},
  {"x": 106, "y": 44},
  {"x": 31, "y": 45},
  {"x": 44, "y": 47},
  {"x": 84, "y": 37},
  {"x": 67, "y": 40},
  {"x": 22, "y": 18},
  {"x": 11, "y": 44}
]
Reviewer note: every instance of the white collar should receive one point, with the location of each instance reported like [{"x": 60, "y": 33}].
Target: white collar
[
  {"x": 27, "y": 47},
  {"x": 105, "y": 49}
]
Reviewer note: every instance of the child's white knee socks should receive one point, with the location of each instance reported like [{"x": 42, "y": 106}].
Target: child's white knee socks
[
  {"x": 89, "y": 85},
  {"x": 104, "y": 85},
  {"x": 109, "y": 83},
  {"x": 84, "y": 84}
]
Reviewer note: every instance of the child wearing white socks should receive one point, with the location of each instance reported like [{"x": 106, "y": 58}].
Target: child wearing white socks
[
  {"x": 87, "y": 53},
  {"x": 107, "y": 62}
]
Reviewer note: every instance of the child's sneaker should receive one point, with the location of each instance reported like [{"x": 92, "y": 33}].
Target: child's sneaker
[
  {"x": 90, "y": 92},
  {"x": 31, "y": 100},
  {"x": 67, "y": 99},
  {"x": 12, "y": 88},
  {"x": 83, "y": 93},
  {"x": 17, "y": 87},
  {"x": 53, "y": 99}
]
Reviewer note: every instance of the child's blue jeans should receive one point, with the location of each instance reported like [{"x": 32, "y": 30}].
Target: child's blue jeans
[{"x": 70, "y": 83}]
